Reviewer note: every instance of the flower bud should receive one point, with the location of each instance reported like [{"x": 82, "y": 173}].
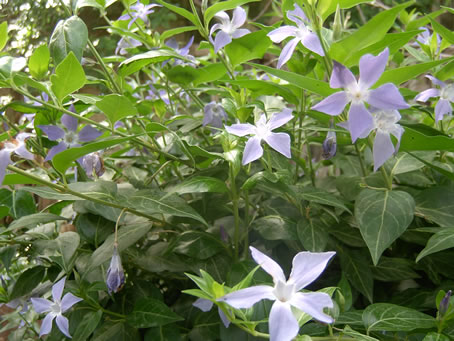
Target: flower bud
[
  {"x": 93, "y": 164},
  {"x": 115, "y": 274},
  {"x": 329, "y": 145},
  {"x": 337, "y": 25},
  {"x": 444, "y": 304}
]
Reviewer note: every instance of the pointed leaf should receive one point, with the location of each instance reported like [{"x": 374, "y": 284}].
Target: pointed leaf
[
  {"x": 69, "y": 77},
  {"x": 441, "y": 240},
  {"x": 149, "y": 313},
  {"x": 39, "y": 62},
  {"x": 116, "y": 107}
]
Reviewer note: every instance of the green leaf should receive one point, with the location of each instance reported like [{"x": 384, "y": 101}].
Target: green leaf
[
  {"x": 69, "y": 77},
  {"x": 441, "y": 240},
  {"x": 149, "y": 313},
  {"x": 94, "y": 228},
  {"x": 449, "y": 175},
  {"x": 185, "y": 74},
  {"x": 23, "y": 204},
  {"x": 442, "y": 31},
  {"x": 423, "y": 21},
  {"x": 251, "y": 46},
  {"x": 3, "y": 34},
  {"x": 180, "y": 11},
  {"x": 260, "y": 87},
  {"x": 62, "y": 161},
  {"x": 370, "y": 33},
  {"x": 116, "y": 107},
  {"x": 275, "y": 228},
  {"x": 327, "y": 7},
  {"x": 197, "y": 244},
  {"x": 67, "y": 243},
  {"x": 88, "y": 3},
  {"x": 39, "y": 62},
  {"x": 10, "y": 65},
  {"x": 87, "y": 326},
  {"x": 394, "y": 318},
  {"x": 223, "y": 6},
  {"x": 163, "y": 333},
  {"x": 27, "y": 281},
  {"x": 432, "y": 336},
  {"x": 312, "y": 234},
  {"x": 109, "y": 331},
  {"x": 436, "y": 204},
  {"x": 382, "y": 217},
  {"x": 32, "y": 220},
  {"x": 418, "y": 139},
  {"x": 394, "y": 269},
  {"x": 199, "y": 184},
  {"x": 172, "y": 32},
  {"x": 322, "y": 197},
  {"x": 357, "y": 335},
  {"x": 70, "y": 35}
]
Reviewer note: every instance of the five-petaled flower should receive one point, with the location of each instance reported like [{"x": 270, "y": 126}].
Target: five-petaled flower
[
  {"x": 206, "y": 305},
  {"x": 228, "y": 29},
  {"x": 139, "y": 11},
  {"x": 214, "y": 115},
  {"x": 14, "y": 145},
  {"x": 183, "y": 52},
  {"x": 115, "y": 274},
  {"x": 358, "y": 93},
  {"x": 446, "y": 94},
  {"x": 307, "y": 266},
  {"x": 301, "y": 33},
  {"x": 126, "y": 43},
  {"x": 280, "y": 142},
  {"x": 55, "y": 309},
  {"x": 70, "y": 138}
]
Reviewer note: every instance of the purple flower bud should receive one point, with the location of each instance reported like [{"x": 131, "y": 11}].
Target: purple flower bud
[
  {"x": 444, "y": 304},
  {"x": 224, "y": 235},
  {"x": 115, "y": 274},
  {"x": 329, "y": 145},
  {"x": 93, "y": 164}
]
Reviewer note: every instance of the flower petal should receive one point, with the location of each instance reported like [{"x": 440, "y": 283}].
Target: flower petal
[
  {"x": 5, "y": 160},
  {"x": 280, "y": 142},
  {"x": 239, "y": 17},
  {"x": 223, "y": 18},
  {"x": 436, "y": 81},
  {"x": 387, "y": 96},
  {"x": 279, "y": 119},
  {"x": 297, "y": 15},
  {"x": 57, "y": 289},
  {"x": 68, "y": 301},
  {"x": 287, "y": 52},
  {"x": 311, "y": 42},
  {"x": 213, "y": 29},
  {"x": 283, "y": 325},
  {"x": 281, "y": 33},
  {"x": 241, "y": 129},
  {"x": 307, "y": 266},
  {"x": 203, "y": 304},
  {"x": 359, "y": 120},
  {"x": 313, "y": 303},
  {"x": 267, "y": 264},
  {"x": 246, "y": 298},
  {"x": 371, "y": 68},
  {"x": 41, "y": 305},
  {"x": 23, "y": 151},
  {"x": 55, "y": 150},
  {"x": 70, "y": 122},
  {"x": 53, "y": 132},
  {"x": 333, "y": 104},
  {"x": 426, "y": 94},
  {"x": 185, "y": 50},
  {"x": 238, "y": 33},
  {"x": 221, "y": 40},
  {"x": 383, "y": 149},
  {"x": 252, "y": 151},
  {"x": 46, "y": 325},
  {"x": 225, "y": 320},
  {"x": 442, "y": 108},
  {"x": 88, "y": 133},
  {"x": 341, "y": 76},
  {"x": 63, "y": 325}
]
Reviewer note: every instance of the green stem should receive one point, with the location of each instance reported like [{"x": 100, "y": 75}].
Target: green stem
[
  {"x": 246, "y": 224},
  {"x": 106, "y": 72},
  {"x": 236, "y": 216},
  {"x": 309, "y": 157},
  {"x": 361, "y": 163}
]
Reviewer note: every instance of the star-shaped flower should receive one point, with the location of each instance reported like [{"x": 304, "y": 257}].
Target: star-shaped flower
[
  {"x": 301, "y": 33},
  {"x": 214, "y": 115},
  {"x": 280, "y": 142},
  {"x": 183, "y": 51},
  {"x": 228, "y": 29},
  {"x": 55, "y": 309},
  {"x": 358, "y": 93},
  {"x": 126, "y": 43},
  {"x": 446, "y": 94},
  {"x": 283, "y": 325},
  {"x": 139, "y": 11},
  {"x": 14, "y": 145}
]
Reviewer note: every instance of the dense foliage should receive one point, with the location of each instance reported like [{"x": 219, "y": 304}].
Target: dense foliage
[{"x": 287, "y": 175}]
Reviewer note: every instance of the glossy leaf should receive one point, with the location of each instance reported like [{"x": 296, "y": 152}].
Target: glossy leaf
[
  {"x": 69, "y": 77},
  {"x": 198, "y": 244},
  {"x": 251, "y": 46},
  {"x": 33, "y": 220},
  {"x": 327, "y": 7},
  {"x": 116, "y": 107},
  {"x": 436, "y": 204},
  {"x": 199, "y": 184},
  {"x": 3, "y": 34},
  {"x": 38, "y": 63},
  {"x": 440, "y": 241},
  {"x": 87, "y": 326},
  {"x": 27, "y": 281},
  {"x": 149, "y": 313},
  {"x": 312, "y": 234},
  {"x": 67, "y": 244}
]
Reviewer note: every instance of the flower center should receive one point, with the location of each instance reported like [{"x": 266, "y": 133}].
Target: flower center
[
  {"x": 356, "y": 94},
  {"x": 284, "y": 291},
  {"x": 71, "y": 138},
  {"x": 56, "y": 308},
  {"x": 385, "y": 120},
  {"x": 447, "y": 93},
  {"x": 262, "y": 130},
  {"x": 302, "y": 32}
]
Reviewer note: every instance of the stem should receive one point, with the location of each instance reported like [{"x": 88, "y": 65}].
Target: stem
[
  {"x": 246, "y": 224},
  {"x": 358, "y": 152},
  {"x": 104, "y": 67},
  {"x": 116, "y": 227},
  {"x": 309, "y": 157},
  {"x": 236, "y": 216}
]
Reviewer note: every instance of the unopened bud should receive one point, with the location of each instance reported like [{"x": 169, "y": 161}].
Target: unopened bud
[
  {"x": 444, "y": 304},
  {"x": 93, "y": 164},
  {"x": 329, "y": 145},
  {"x": 337, "y": 25},
  {"x": 115, "y": 274}
]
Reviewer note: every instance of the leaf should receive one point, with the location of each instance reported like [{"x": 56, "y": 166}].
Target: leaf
[
  {"x": 38, "y": 63},
  {"x": 322, "y": 197},
  {"x": 94, "y": 228},
  {"x": 70, "y": 35},
  {"x": 394, "y": 269},
  {"x": 382, "y": 217},
  {"x": 23, "y": 204},
  {"x": 357, "y": 335},
  {"x": 442, "y": 31},
  {"x": 116, "y": 107},
  {"x": 441, "y": 240},
  {"x": 3, "y": 34},
  {"x": 327, "y": 7},
  {"x": 33, "y": 220},
  {"x": 415, "y": 138},
  {"x": 260, "y": 87},
  {"x": 371, "y": 32},
  {"x": 223, "y": 6},
  {"x": 88, "y": 3},
  {"x": 109, "y": 331},
  {"x": 62, "y": 161},
  {"x": 432, "y": 336},
  {"x": 312, "y": 234},
  {"x": 9, "y": 66},
  {"x": 199, "y": 184},
  {"x": 163, "y": 333},
  {"x": 275, "y": 228},
  {"x": 248, "y": 47},
  {"x": 197, "y": 244},
  {"x": 436, "y": 204},
  {"x": 394, "y": 318},
  {"x": 180, "y": 11},
  {"x": 185, "y": 74},
  {"x": 67, "y": 243},
  {"x": 449, "y": 175},
  {"x": 27, "y": 281},
  {"x": 69, "y": 77},
  {"x": 87, "y": 326},
  {"x": 174, "y": 31},
  {"x": 149, "y": 313}
]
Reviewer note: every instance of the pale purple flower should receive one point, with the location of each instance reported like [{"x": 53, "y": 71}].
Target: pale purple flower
[
  {"x": 55, "y": 309},
  {"x": 446, "y": 94},
  {"x": 228, "y": 29},
  {"x": 154, "y": 94},
  {"x": 15, "y": 145},
  {"x": 214, "y": 115},
  {"x": 115, "y": 274},
  {"x": 426, "y": 37},
  {"x": 329, "y": 145},
  {"x": 358, "y": 92},
  {"x": 283, "y": 325},
  {"x": 280, "y": 142},
  {"x": 69, "y": 138},
  {"x": 139, "y": 11},
  {"x": 183, "y": 52},
  {"x": 301, "y": 33},
  {"x": 206, "y": 305},
  {"x": 126, "y": 43},
  {"x": 92, "y": 164}
]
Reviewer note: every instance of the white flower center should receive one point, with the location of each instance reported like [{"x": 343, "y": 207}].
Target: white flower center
[
  {"x": 228, "y": 28},
  {"x": 386, "y": 120},
  {"x": 71, "y": 138},
  {"x": 447, "y": 93},
  {"x": 356, "y": 93},
  {"x": 302, "y": 32},
  {"x": 11, "y": 145},
  {"x": 262, "y": 130},
  {"x": 284, "y": 291},
  {"x": 56, "y": 308}
]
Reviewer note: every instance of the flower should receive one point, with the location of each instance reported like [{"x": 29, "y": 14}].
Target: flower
[
  {"x": 425, "y": 37},
  {"x": 92, "y": 164},
  {"x": 70, "y": 138},
  {"x": 55, "y": 309},
  {"x": 444, "y": 304},
  {"x": 214, "y": 115},
  {"x": 280, "y": 142},
  {"x": 139, "y": 11},
  {"x": 229, "y": 29},
  {"x": 183, "y": 52},
  {"x": 14, "y": 145},
  {"x": 283, "y": 325},
  {"x": 206, "y": 305},
  {"x": 446, "y": 94},
  {"x": 115, "y": 274},
  {"x": 358, "y": 93},
  {"x": 302, "y": 33},
  {"x": 154, "y": 94},
  {"x": 329, "y": 145},
  {"x": 126, "y": 43}
]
